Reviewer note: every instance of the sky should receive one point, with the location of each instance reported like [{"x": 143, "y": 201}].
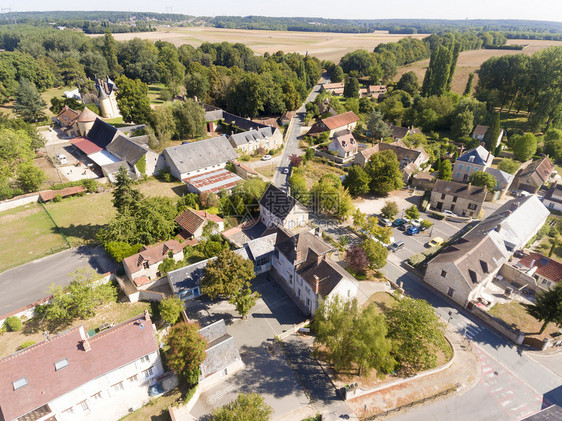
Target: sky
[{"x": 550, "y": 10}]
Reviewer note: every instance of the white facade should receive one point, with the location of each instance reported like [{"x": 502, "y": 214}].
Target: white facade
[
  {"x": 298, "y": 217},
  {"x": 150, "y": 270}
]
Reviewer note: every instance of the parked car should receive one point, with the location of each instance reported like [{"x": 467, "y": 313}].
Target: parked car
[
  {"x": 398, "y": 222},
  {"x": 437, "y": 241},
  {"x": 519, "y": 253},
  {"x": 412, "y": 230},
  {"x": 396, "y": 246},
  {"x": 448, "y": 212},
  {"x": 266, "y": 158},
  {"x": 285, "y": 170},
  {"x": 416, "y": 222},
  {"x": 404, "y": 227},
  {"x": 385, "y": 222}
]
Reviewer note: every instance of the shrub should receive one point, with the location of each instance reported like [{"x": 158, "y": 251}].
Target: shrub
[
  {"x": 271, "y": 152},
  {"x": 26, "y": 344},
  {"x": 416, "y": 259},
  {"x": 57, "y": 198},
  {"x": 90, "y": 185},
  {"x": 13, "y": 323}
]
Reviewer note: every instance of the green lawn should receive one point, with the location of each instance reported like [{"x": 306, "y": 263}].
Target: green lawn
[
  {"x": 383, "y": 301},
  {"x": 515, "y": 315},
  {"x": 154, "y": 93},
  {"x": 514, "y": 121},
  {"x": 26, "y": 234},
  {"x": 154, "y": 187},
  {"x": 52, "y": 93}
]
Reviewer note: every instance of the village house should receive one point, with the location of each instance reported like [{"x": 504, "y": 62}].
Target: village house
[
  {"x": 546, "y": 271},
  {"x": 145, "y": 263},
  {"x": 475, "y": 159},
  {"x": 286, "y": 118},
  {"x": 344, "y": 144},
  {"x": 399, "y": 133},
  {"x": 137, "y": 158},
  {"x": 302, "y": 267},
  {"x": 334, "y": 124},
  {"x": 81, "y": 375},
  {"x": 373, "y": 91},
  {"x": 194, "y": 222},
  {"x": 250, "y": 141},
  {"x": 277, "y": 208},
  {"x": 466, "y": 267},
  {"x": 533, "y": 175},
  {"x": 480, "y": 132},
  {"x": 335, "y": 88},
  {"x": 461, "y": 199},
  {"x": 553, "y": 197},
  {"x": 503, "y": 181},
  {"x": 67, "y": 121}
]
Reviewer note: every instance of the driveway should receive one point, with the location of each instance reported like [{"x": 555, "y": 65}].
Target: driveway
[
  {"x": 29, "y": 283},
  {"x": 267, "y": 371}
]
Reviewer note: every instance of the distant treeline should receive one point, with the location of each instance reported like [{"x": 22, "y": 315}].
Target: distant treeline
[{"x": 130, "y": 22}]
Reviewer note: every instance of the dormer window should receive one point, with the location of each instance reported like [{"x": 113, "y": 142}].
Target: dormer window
[{"x": 471, "y": 158}]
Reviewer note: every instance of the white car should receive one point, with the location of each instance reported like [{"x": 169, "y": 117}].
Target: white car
[
  {"x": 448, "y": 212},
  {"x": 285, "y": 171},
  {"x": 266, "y": 158}
]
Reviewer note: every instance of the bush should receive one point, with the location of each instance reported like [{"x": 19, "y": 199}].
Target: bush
[
  {"x": 57, "y": 198},
  {"x": 165, "y": 175},
  {"x": 90, "y": 185},
  {"x": 416, "y": 259},
  {"x": 13, "y": 323},
  {"x": 170, "y": 309},
  {"x": 26, "y": 344}
]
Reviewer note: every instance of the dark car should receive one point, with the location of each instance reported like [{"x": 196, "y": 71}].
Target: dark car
[
  {"x": 396, "y": 246},
  {"x": 398, "y": 222},
  {"x": 412, "y": 230},
  {"x": 519, "y": 253},
  {"x": 404, "y": 227}
]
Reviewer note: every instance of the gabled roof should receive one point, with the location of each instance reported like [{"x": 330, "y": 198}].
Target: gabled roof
[
  {"x": 151, "y": 254},
  {"x": 287, "y": 116},
  {"x": 546, "y": 267},
  {"x": 261, "y": 246},
  {"x": 221, "y": 350},
  {"x": 251, "y": 136},
  {"x": 296, "y": 248},
  {"x": 126, "y": 149},
  {"x": 47, "y": 195},
  {"x": 554, "y": 193},
  {"x": 346, "y": 140},
  {"x": 194, "y": 156},
  {"x": 542, "y": 167},
  {"x": 334, "y": 85},
  {"x": 480, "y": 154},
  {"x": 277, "y": 202},
  {"x": 319, "y": 268},
  {"x": 465, "y": 191},
  {"x": 213, "y": 181},
  {"x": 102, "y": 133},
  {"x": 501, "y": 176},
  {"x": 85, "y": 145},
  {"x": 67, "y": 116},
  {"x": 191, "y": 220},
  {"x": 86, "y": 116},
  {"x": 480, "y": 130},
  {"x": 340, "y": 120},
  {"x": 110, "y": 349}
]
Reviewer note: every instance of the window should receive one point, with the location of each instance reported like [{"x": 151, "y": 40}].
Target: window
[
  {"x": 145, "y": 265},
  {"x": 97, "y": 396},
  {"x": 84, "y": 406},
  {"x": 450, "y": 292},
  {"x": 472, "y": 206},
  {"x": 460, "y": 167},
  {"x": 134, "y": 378},
  {"x": 442, "y": 196},
  {"x": 455, "y": 198},
  {"x": 443, "y": 273},
  {"x": 144, "y": 359},
  {"x": 298, "y": 293},
  {"x": 452, "y": 208},
  {"x": 68, "y": 411},
  {"x": 59, "y": 365},
  {"x": 19, "y": 383},
  {"x": 545, "y": 282},
  {"x": 468, "y": 168},
  {"x": 458, "y": 175},
  {"x": 148, "y": 373},
  {"x": 308, "y": 302},
  {"x": 117, "y": 387},
  {"x": 36, "y": 414},
  {"x": 307, "y": 288}
]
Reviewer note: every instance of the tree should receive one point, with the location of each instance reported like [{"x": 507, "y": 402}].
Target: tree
[
  {"x": 409, "y": 83},
  {"x": 376, "y": 253},
  {"x": 227, "y": 275},
  {"x": 384, "y": 170},
  {"x": 170, "y": 309},
  {"x": 390, "y": 210},
  {"x": 469, "y": 82},
  {"x": 356, "y": 258},
  {"x": 244, "y": 300},
  {"x": 547, "y": 307},
  {"x": 483, "y": 179},
  {"x": 120, "y": 250},
  {"x": 30, "y": 178},
  {"x": 508, "y": 165},
  {"x": 295, "y": 160},
  {"x": 553, "y": 144},
  {"x": 246, "y": 407},
  {"x": 445, "y": 170},
  {"x": 328, "y": 196},
  {"x": 524, "y": 147},
  {"x": 298, "y": 188},
  {"x": 412, "y": 213},
  {"x": 124, "y": 195},
  {"x": 133, "y": 101},
  {"x": 415, "y": 331},
  {"x": 351, "y": 88},
  {"x": 185, "y": 351},
  {"x": 463, "y": 123},
  {"x": 493, "y": 133},
  {"x": 352, "y": 337},
  {"x": 29, "y": 105},
  {"x": 356, "y": 181},
  {"x": 437, "y": 74},
  {"x": 79, "y": 299},
  {"x": 189, "y": 119},
  {"x": 376, "y": 125},
  {"x": 109, "y": 50}
]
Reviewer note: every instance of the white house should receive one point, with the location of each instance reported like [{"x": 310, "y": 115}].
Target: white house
[
  {"x": 277, "y": 208},
  {"x": 306, "y": 272},
  {"x": 145, "y": 263},
  {"x": 73, "y": 376},
  {"x": 344, "y": 144},
  {"x": 248, "y": 142},
  {"x": 553, "y": 198}
]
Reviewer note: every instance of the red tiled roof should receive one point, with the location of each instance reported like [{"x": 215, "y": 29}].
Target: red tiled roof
[
  {"x": 334, "y": 85},
  {"x": 151, "y": 254},
  {"x": 546, "y": 267},
  {"x": 244, "y": 167},
  {"x": 340, "y": 120},
  {"x": 110, "y": 350},
  {"x": 85, "y": 145},
  {"x": 68, "y": 191},
  {"x": 191, "y": 220},
  {"x": 67, "y": 116},
  {"x": 213, "y": 181},
  {"x": 141, "y": 280},
  {"x": 287, "y": 115},
  {"x": 480, "y": 130}
]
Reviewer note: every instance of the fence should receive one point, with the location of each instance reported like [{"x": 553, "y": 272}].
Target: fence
[{"x": 19, "y": 201}]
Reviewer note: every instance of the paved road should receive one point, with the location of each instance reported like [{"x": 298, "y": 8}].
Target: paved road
[
  {"x": 291, "y": 141},
  {"x": 513, "y": 385},
  {"x": 28, "y": 283}
]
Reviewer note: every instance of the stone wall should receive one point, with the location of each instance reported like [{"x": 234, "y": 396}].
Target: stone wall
[
  {"x": 499, "y": 325},
  {"x": 512, "y": 274}
]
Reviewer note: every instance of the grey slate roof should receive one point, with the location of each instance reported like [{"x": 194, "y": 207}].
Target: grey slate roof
[
  {"x": 479, "y": 153},
  {"x": 101, "y": 133},
  {"x": 276, "y": 201},
  {"x": 249, "y": 136},
  {"x": 113, "y": 168},
  {"x": 221, "y": 350},
  {"x": 122, "y": 147},
  {"x": 296, "y": 248},
  {"x": 501, "y": 176},
  {"x": 201, "y": 154},
  {"x": 261, "y": 246},
  {"x": 552, "y": 413},
  {"x": 461, "y": 190}
]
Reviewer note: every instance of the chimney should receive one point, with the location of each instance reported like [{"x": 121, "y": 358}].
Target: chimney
[
  {"x": 146, "y": 315},
  {"x": 316, "y": 284},
  {"x": 86, "y": 345},
  {"x": 469, "y": 185},
  {"x": 488, "y": 157}
]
